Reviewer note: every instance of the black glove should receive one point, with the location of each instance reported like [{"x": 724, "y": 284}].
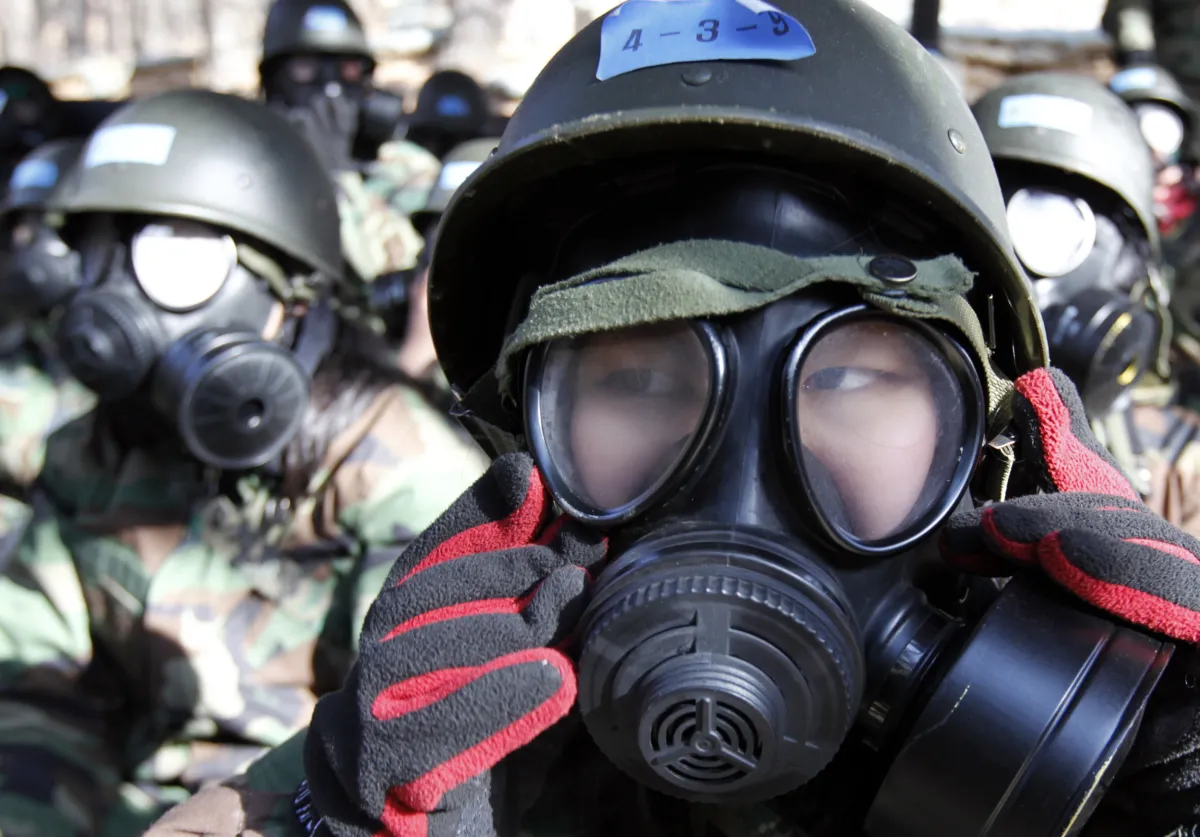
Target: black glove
[
  {"x": 329, "y": 125},
  {"x": 459, "y": 665},
  {"x": 1091, "y": 532}
]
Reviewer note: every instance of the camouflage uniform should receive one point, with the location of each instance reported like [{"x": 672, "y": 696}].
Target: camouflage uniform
[
  {"x": 148, "y": 646},
  {"x": 1165, "y": 30},
  {"x": 374, "y": 206},
  {"x": 37, "y": 396}
]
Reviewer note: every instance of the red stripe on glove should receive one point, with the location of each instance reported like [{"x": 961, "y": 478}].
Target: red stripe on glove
[
  {"x": 1072, "y": 466},
  {"x": 518, "y": 529},
  {"x": 1017, "y": 550},
  {"x": 402, "y": 814},
  {"x": 1126, "y": 602},
  {"x": 458, "y": 611},
  {"x": 1169, "y": 548}
]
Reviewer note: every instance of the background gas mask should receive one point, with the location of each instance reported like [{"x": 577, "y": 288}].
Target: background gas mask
[
  {"x": 171, "y": 319},
  {"x": 40, "y": 270},
  {"x": 1101, "y": 296},
  {"x": 1164, "y": 130}
]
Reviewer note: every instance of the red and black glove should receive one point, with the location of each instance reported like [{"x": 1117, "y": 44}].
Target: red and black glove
[
  {"x": 1090, "y": 533},
  {"x": 459, "y": 665}
]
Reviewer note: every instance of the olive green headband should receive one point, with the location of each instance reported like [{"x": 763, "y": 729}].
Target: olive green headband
[{"x": 696, "y": 279}]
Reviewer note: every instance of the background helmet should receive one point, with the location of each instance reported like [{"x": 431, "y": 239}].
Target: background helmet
[
  {"x": 214, "y": 158},
  {"x": 870, "y": 101},
  {"x": 39, "y": 173},
  {"x": 450, "y": 102},
  {"x": 1136, "y": 85},
  {"x": 308, "y": 27},
  {"x": 1072, "y": 124},
  {"x": 459, "y": 164}
]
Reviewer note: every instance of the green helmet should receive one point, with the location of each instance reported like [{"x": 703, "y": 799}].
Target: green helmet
[
  {"x": 39, "y": 173},
  {"x": 870, "y": 100},
  {"x": 1076, "y": 125},
  {"x": 213, "y": 158},
  {"x": 324, "y": 27},
  {"x": 459, "y": 164},
  {"x": 1152, "y": 84}
]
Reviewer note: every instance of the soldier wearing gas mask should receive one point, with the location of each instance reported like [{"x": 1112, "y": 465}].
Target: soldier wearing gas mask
[
  {"x": 767, "y": 387},
  {"x": 1077, "y": 180},
  {"x": 316, "y": 67},
  {"x": 38, "y": 273},
  {"x": 208, "y": 538}
]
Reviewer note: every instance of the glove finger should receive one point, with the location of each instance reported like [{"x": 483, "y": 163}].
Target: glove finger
[
  {"x": 575, "y": 543},
  {"x": 963, "y": 545},
  {"x": 506, "y": 507},
  {"x": 486, "y": 582},
  {"x": 466, "y": 812},
  {"x": 1048, "y": 408},
  {"x": 1148, "y": 581},
  {"x": 1014, "y": 528},
  {"x": 456, "y": 724}
]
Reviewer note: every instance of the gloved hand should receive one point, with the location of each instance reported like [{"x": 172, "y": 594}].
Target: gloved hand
[
  {"x": 1091, "y": 533},
  {"x": 329, "y": 125},
  {"x": 459, "y": 664}
]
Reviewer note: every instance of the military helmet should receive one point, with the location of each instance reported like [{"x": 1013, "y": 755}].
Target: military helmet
[
  {"x": 459, "y": 164},
  {"x": 305, "y": 27},
  {"x": 1076, "y": 125},
  {"x": 869, "y": 99},
  {"x": 215, "y": 158},
  {"x": 39, "y": 173},
  {"x": 1152, "y": 84},
  {"x": 450, "y": 101}
]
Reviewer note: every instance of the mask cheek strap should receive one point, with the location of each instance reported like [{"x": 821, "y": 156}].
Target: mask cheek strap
[{"x": 318, "y": 330}]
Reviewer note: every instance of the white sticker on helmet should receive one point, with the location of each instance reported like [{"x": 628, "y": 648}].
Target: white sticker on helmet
[
  {"x": 34, "y": 174},
  {"x": 148, "y": 145},
  {"x": 325, "y": 19},
  {"x": 455, "y": 174},
  {"x": 1037, "y": 110}
]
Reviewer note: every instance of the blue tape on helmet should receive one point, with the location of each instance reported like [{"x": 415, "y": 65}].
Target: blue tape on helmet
[
  {"x": 452, "y": 106},
  {"x": 650, "y": 33},
  {"x": 34, "y": 174},
  {"x": 325, "y": 19}
]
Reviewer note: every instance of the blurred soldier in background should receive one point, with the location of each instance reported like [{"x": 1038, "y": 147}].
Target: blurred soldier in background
[
  {"x": 206, "y": 541},
  {"x": 317, "y": 67},
  {"x": 38, "y": 273},
  {"x": 1164, "y": 32},
  {"x": 1078, "y": 178}
]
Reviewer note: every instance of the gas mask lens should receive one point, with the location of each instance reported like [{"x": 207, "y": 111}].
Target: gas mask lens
[
  {"x": 1162, "y": 128},
  {"x": 880, "y": 426},
  {"x": 618, "y": 411},
  {"x": 1052, "y": 233},
  {"x": 181, "y": 265}
]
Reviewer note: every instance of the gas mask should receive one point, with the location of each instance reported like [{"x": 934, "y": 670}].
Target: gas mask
[
  {"x": 1101, "y": 297},
  {"x": 772, "y": 483},
  {"x": 40, "y": 270},
  {"x": 1163, "y": 129},
  {"x": 170, "y": 319}
]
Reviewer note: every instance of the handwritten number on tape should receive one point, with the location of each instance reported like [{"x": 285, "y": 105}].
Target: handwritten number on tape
[{"x": 651, "y": 33}]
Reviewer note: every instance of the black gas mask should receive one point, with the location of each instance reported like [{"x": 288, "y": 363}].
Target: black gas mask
[
  {"x": 40, "y": 270},
  {"x": 1100, "y": 295},
  {"x": 171, "y": 319},
  {"x": 294, "y": 81},
  {"x": 771, "y": 483}
]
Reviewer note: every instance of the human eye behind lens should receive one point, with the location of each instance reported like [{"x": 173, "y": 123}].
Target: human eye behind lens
[
  {"x": 642, "y": 382},
  {"x": 846, "y": 379}
]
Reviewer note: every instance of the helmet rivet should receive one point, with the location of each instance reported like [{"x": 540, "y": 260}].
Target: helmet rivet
[
  {"x": 697, "y": 76},
  {"x": 894, "y": 269},
  {"x": 956, "y": 140}
]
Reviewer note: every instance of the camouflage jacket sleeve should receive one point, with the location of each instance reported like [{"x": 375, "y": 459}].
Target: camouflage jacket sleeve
[
  {"x": 57, "y": 778},
  {"x": 257, "y": 803},
  {"x": 374, "y": 208},
  {"x": 32, "y": 406}
]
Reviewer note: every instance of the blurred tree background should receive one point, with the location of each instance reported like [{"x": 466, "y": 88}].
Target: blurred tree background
[{"x": 111, "y": 48}]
